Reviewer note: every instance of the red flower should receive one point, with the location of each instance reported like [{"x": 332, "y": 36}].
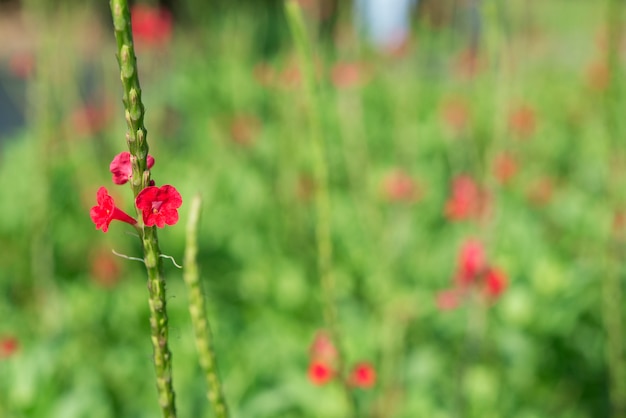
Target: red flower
[
  {"x": 467, "y": 200},
  {"x": 504, "y": 167},
  {"x": 455, "y": 114},
  {"x": 363, "y": 375},
  {"x": 398, "y": 186},
  {"x": 322, "y": 349},
  {"x": 448, "y": 299},
  {"x": 122, "y": 169},
  {"x": 347, "y": 75},
  {"x": 159, "y": 205},
  {"x": 106, "y": 211},
  {"x": 495, "y": 283},
  {"x": 8, "y": 346},
  {"x": 522, "y": 121},
  {"x": 471, "y": 263},
  {"x": 320, "y": 373},
  {"x": 151, "y": 26}
]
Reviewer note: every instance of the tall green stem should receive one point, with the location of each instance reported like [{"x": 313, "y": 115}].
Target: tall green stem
[
  {"x": 138, "y": 147},
  {"x": 322, "y": 198},
  {"x": 197, "y": 310}
]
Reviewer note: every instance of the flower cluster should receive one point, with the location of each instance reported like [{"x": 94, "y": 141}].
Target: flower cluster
[
  {"x": 473, "y": 273},
  {"x": 158, "y": 205},
  {"x": 323, "y": 364}
]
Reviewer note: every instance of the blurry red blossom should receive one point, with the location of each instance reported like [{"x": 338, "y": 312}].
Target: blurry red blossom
[
  {"x": 322, "y": 348},
  {"x": 504, "y": 167},
  {"x": 159, "y": 205},
  {"x": 455, "y": 114},
  {"x": 398, "y": 186},
  {"x": 244, "y": 129},
  {"x": 105, "y": 268},
  {"x": 495, "y": 282},
  {"x": 91, "y": 118},
  {"x": 448, "y": 299},
  {"x": 474, "y": 273},
  {"x": 8, "y": 346},
  {"x": 522, "y": 121},
  {"x": 22, "y": 64},
  {"x": 467, "y": 64},
  {"x": 471, "y": 261},
  {"x": 122, "y": 169},
  {"x": 347, "y": 74},
  {"x": 598, "y": 76},
  {"x": 467, "y": 199},
  {"x": 105, "y": 211},
  {"x": 320, "y": 372},
  {"x": 363, "y": 375},
  {"x": 152, "y": 26}
]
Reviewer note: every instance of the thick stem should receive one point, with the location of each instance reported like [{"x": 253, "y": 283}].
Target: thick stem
[
  {"x": 138, "y": 147},
  {"x": 197, "y": 310}
]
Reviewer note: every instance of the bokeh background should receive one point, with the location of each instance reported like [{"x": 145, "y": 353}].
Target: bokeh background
[{"x": 491, "y": 122}]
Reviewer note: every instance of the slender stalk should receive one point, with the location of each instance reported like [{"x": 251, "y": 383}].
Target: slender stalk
[
  {"x": 138, "y": 147},
  {"x": 197, "y": 310},
  {"x": 322, "y": 199}
]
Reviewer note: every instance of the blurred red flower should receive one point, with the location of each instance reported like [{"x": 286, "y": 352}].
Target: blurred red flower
[
  {"x": 8, "y": 346},
  {"x": 467, "y": 64},
  {"x": 398, "y": 186},
  {"x": 347, "y": 75},
  {"x": 151, "y": 26},
  {"x": 471, "y": 262},
  {"x": 159, "y": 205},
  {"x": 598, "y": 76},
  {"x": 495, "y": 283},
  {"x": 323, "y": 349},
  {"x": 474, "y": 273},
  {"x": 122, "y": 169},
  {"x": 504, "y": 167},
  {"x": 105, "y": 268},
  {"x": 320, "y": 373},
  {"x": 106, "y": 211},
  {"x": 522, "y": 121},
  {"x": 363, "y": 375},
  {"x": 244, "y": 129},
  {"x": 467, "y": 201},
  {"x": 22, "y": 64},
  {"x": 90, "y": 118},
  {"x": 455, "y": 114}
]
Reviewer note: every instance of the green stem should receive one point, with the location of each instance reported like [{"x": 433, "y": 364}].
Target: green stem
[
  {"x": 138, "y": 147},
  {"x": 197, "y": 310},
  {"x": 322, "y": 198}
]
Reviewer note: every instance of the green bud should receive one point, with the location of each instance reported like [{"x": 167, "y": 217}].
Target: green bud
[
  {"x": 126, "y": 62},
  {"x": 119, "y": 20},
  {"x": 134, "y": 105}
]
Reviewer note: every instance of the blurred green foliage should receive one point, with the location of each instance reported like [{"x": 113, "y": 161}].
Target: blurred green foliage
[{"x": 227, "y": 120}]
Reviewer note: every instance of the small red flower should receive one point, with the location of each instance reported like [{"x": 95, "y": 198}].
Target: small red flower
[
  {"x": 363, "y": 375},
  {"x": 455, "y": 114},
  {"x": 449, "y": 299},
  {"x": 8, "y": 346},
  {"x": 471, "y": 263},
  {"x": 122, "y": 169},
  {"x": 347, "y": 75},
  {"x": 159, "y": 205},
  {"x": 467, "y": 201},
  {"x": 320, "y": 372},
  {"x": 398, "y": 186},
  {"x": 322, "y": 349},
  {"x": 151, "y": 26},
  {"x": 495, "y": 283},
  {"x": 504, "y": 167},
  {"x": 106, "y": 211},
  {"x": 522, "y": 121}
]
